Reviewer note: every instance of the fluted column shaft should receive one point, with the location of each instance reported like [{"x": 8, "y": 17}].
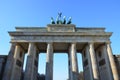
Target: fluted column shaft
[
  {"x": 112, "y": 62},
  {"x": 74, "y": 62},
  {"x": 87, "y": 53},
  {"x": 104, "y": 50},
  {"x": 31, "y": 64},
  {"x": 49, "y": 62},
  {"x": 93, "y": 62},
  {"x": 69, "y": 66},
  {"x": 9, "y": 63},
  {"x": 17, "y": 64}
]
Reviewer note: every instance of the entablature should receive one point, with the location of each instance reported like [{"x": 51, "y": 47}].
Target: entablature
[{"x": 59, "y": 33}]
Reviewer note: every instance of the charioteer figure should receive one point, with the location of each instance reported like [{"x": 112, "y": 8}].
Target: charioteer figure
[{"x": 59, "y": 20}]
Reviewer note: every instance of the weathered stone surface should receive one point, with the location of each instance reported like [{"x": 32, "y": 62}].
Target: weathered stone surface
[
  {"x": 60, "y": 38},
  {"x": 59, "y": 33},
  {"x": 112, "y": 62},
  {"x": 117, "y": 61},
  {"x": 93, "y": 61},
  {"x": 74, "y": 62},
  {"x": 9, "y": 64},
  {"x": 103, "y": 63},
  {"x": 17, "y": 68},
  {"x": 49, "y": 62},
  {"x": 31, "y": 68},
  {"x": 60, "y": 28}
]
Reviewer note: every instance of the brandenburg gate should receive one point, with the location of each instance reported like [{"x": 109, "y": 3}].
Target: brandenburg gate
[{"x": 92, "y": 43}]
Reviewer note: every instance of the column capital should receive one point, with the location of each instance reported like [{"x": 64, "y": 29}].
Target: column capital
[
  {"x": 49, "y": 42},
  {"x": 13, "y": 43},
  {"x": 21, "y": 47},
  {"x": 91, "y": 42},
  {"x": 31, "y": 42},
  {"x": 108, "y": 42},
  {"x": 74, "y": 43}
]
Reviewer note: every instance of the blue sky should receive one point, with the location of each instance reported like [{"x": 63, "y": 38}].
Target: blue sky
[{"x": 85, "y": 13}]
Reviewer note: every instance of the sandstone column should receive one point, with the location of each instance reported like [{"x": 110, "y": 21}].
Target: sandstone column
[
  {"x": 69, "y": 66},
  {"x": 104, "y": 50},
  {"x": 74, "y": 62},
  {"x": 49, "y": 62},
  {"x": 31, "y": 64},
  {"x": 18, "y": 63},
  {"x": 9, "y": 63},
  {"x": 112, "y": 62},
  {"x": 93, "y": 61},
  {"x": 87, "y": 55}
]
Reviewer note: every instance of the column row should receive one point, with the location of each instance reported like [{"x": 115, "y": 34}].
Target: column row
[
  {"x": 14, "y": 66},
  {"x": 92, "y": 65}
]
